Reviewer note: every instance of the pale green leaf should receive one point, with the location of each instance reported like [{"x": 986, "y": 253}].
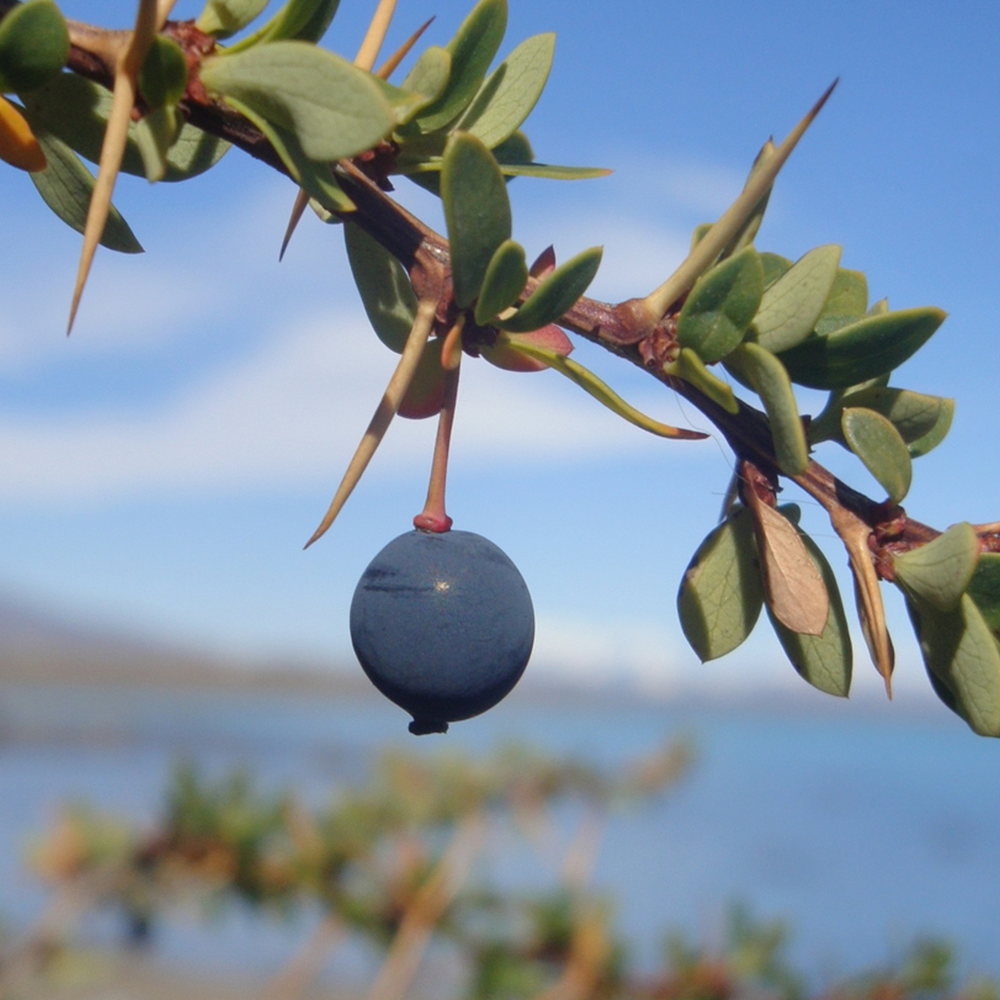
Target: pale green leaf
[
  {"x": 334, "y": 109},
  {"x": 721, "y": 306},
  {"x": 556, "y": 293},
  {"x": 430, "y": 73},
  {"x": 863, "y": 349},
  {"x": 316, "y": 179},
  {"x": 472, "y": 50},
  {"x": 922, "y": 420},
  {"x": 744, "y": 235},
  {"x": 791, "y": 306},
  {"x": 34, "y": 45},
  {"x": 66, "y": 186},
  {"x": 880, "y": 447},
  {"x": 774, "y": 266},
  {"x": 223, "y": 18},
  {"x": 767, "y": 376},
  {"x": 476, "y": 211},
  {"x": 163, "y": 75},
  {"x": 510, "y": 92},
  {"x": 984, "y": 588},
  {"x": 305, "y": 20},
  {"x": 847, "y": 301},
  {"x": 552, "y": 171},
  {"x": 939, "y": 572},
  {"x": 76, "y": 110},
  {"x": 418, "y": 171},
  {"x": 689, "y": 366},
  {"x": 825, "y": 660},
  {"x": 155, "y": 134},
  {"x": 961, "y": 653},
  {"x": 602, "y": 392},
  {"x": 384, "y": 286},
  {"x": 720, "y": 595},
  {"x": 506, "y": 276}
]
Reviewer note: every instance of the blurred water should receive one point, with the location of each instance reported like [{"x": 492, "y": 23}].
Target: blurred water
[{"x": 862, "y": 830}]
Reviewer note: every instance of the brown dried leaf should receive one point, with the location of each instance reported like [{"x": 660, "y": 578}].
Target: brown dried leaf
[{"x": 793, "y": 585}]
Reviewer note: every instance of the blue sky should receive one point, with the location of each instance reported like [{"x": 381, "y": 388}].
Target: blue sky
[{"x": 161, "y": 468}]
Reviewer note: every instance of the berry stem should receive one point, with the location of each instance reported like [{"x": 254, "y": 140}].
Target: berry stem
[{"x": 434, "y": 516}]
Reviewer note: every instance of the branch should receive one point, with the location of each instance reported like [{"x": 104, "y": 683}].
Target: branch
[{"x": 623, "y": 329}]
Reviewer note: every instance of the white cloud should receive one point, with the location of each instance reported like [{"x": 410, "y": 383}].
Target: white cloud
[{"x": 292, "y": 413}]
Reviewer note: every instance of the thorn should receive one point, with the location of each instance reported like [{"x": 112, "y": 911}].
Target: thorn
[
  {"x": 385, "y": 70},
  {"x": 384, "y": 413},
  {"x": 148, "y": 19},
  {"x": 659, "y": 301},
  {"x": 375, "y": 35},
  {"x": 301, "y": 203}
]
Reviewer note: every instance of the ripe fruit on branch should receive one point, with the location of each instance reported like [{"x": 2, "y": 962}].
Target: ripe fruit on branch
[{"x": 443, "y": 625}]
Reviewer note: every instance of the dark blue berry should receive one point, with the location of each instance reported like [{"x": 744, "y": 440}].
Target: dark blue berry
[{"x": 443, "y": 626}]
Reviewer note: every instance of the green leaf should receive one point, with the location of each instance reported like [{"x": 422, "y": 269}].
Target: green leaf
[
  {"x": 305, "y": 20},
  {"x": 744, "y": 235},
  {"x": 847, "y": 301},
  {"x": 384, "y": 286},
  {"x": 66, "y": 186},
  {"x": 510, "y": 92},
  {"x": 861, "y": 350},
  {"x": 880, "y": 447},
  {"x": 421, "y": 164},
  {"x": 425, "y": 394},
  {"x": 506, "y": 276},
  {"x": 984, "y": 588},
  {"x": 334, "y": 109},
  {"x": 555, "y": 294},
  {"x": 472, "y": 50},
  {"x": 34, "y": 45},
  {"x": 767, "y": 375},
  {"x": 476, "y": 210},
  {"x": 76, "y": 110},
  {"x": 316, "y": 179},
  {"x": 962, "y": 654},
  {"x": 405, "y": 104},
  {"x": 939, "y": 572},
  {"x": 720, "y": 596},
  {"x": 721, "y": 306},
  {"x": 552, "y": 171},
  {"x": 825, "y": 660},
  {"x": 223, "y": 18},
  {"x": 155, "y": 134},
  {"x": 689, "y": 366},
  {"x": 922, "y": 421},
  {"x": 791, "y": 306},
  {"x": 430, "y": 73},
  {"x": 163, "y": 75},
  {"x": 591, "y": 384},
  {"x": 774, "y": 266}
]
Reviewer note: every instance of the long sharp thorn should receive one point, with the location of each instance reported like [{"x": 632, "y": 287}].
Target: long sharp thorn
[
  {"x": 384, "y": 413},
  {"x": 375, "y": 36},
  {"x": 123, "y": 97},
  {"x": 301, "y": 203},
  {"x": 385, "y": 70},
  {"x": 715, "y": 240}
]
